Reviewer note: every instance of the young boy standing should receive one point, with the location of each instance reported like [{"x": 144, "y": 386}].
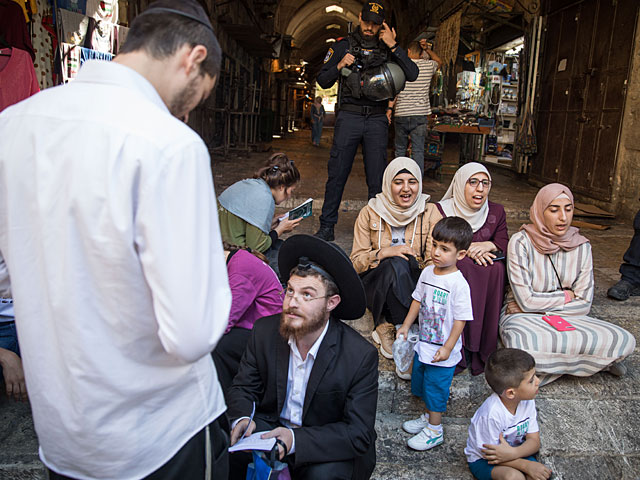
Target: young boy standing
[
  {"x": 442, "y": 300},
  {"x": 504, "y": 433}
]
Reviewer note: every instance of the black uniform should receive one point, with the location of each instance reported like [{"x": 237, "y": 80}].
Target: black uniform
[{"x": 360, "y": 120}]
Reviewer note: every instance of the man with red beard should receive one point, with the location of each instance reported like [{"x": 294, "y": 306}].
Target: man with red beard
[{"x": 313, "y": 379}]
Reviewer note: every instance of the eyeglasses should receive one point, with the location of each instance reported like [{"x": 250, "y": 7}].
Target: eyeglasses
[
  {"x": 305, "y": 296},
  {"x": 474, "y": 182}
]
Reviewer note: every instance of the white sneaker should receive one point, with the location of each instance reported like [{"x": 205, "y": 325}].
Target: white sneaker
[
  {"x": 414, "y": 426},
  {"x": 426, "y": 439}
]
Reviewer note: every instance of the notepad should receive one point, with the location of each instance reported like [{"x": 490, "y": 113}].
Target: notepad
[{"x": 254, "y": 442}]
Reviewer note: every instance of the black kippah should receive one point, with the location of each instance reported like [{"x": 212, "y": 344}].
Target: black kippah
[{"x": 203, "y": 21}]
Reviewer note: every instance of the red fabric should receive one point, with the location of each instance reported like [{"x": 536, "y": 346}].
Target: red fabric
[
  {"x": 17, "y": 78},
  {"x": 13, "y": 27}
]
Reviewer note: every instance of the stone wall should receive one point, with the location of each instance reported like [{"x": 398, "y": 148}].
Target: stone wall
[{"x": 627, "y": 177}]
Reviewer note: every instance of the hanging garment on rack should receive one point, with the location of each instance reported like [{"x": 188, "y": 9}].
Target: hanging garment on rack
[
  {"x": 526, "y": 143},
  {"x": 88, "y": 54},
  {"x": 17, "y": 77},
  {"x": 103, "y": 10},
  {"x": 101, "y": 36},
  {"x": 121, "y": 36},
  {"x": 79, "y": 6},
  {"x": 13, "y": 27},
  {"x": 74, "y": 27},
  {"x": 45, "y": 43},
  {"x": 68, "y": 61},
  {"x": 28, "y": 7}
]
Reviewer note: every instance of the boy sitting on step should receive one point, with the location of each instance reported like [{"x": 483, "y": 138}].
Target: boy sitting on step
[{"x": 504, "y": 433}]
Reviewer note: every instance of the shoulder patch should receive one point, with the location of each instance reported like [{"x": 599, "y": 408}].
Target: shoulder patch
[{"x": 328, "y": 55}]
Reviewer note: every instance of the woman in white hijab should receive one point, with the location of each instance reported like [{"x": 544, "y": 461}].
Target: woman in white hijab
[
  {"x": 391, "y": 244},
  {"x": 467, "y": 197}
]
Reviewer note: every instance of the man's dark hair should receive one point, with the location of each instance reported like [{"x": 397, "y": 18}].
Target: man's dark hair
[
  {"x": 454, "y": 230},
  {"x": 329, "y": 285},
  {"x": 414, "y": 47},
  {"x": 161, "y": 33},
  {"x": 506, "y": 367}
]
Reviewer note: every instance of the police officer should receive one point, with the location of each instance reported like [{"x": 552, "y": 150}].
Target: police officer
[{"x": 362, "y": 109}]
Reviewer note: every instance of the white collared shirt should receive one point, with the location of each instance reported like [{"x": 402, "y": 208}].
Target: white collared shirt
[
  {"x": 297, "y": 380},
  {"x": 109, "y": 231}
]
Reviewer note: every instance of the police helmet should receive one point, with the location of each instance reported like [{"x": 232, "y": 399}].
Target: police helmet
[{"x": 383, "y": 82}]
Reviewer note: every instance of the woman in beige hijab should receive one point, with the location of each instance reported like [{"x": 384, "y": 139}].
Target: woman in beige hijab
[
  {"x": 468, "y": 197},
  {"x": 551, "y": 276},
  {"x": 391, "y": 244}
]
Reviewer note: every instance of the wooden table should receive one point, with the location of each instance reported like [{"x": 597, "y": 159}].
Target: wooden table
[
  {"x": 462, "y": 129},
  {"x": 468, "y": 129}
]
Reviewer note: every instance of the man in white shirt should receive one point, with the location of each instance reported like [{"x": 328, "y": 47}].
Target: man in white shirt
[
  {"x": 412, "y": 106},
  {"x": 109, "y": 241},
  {"x": 313, "y": 380}
]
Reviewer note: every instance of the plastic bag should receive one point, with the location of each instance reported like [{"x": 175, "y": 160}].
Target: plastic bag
[
  {"x": 403, "y": 351},
  {"x": 266, "y": 467}
]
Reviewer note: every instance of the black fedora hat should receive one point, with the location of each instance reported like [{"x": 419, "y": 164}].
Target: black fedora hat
[{"x": 335, "y": 262}]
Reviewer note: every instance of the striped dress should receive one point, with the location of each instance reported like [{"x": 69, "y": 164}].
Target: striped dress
[{"x": 593, "y": 346}]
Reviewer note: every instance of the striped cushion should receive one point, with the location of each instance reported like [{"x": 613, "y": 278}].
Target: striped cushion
[{"x": 593, "y": 346}]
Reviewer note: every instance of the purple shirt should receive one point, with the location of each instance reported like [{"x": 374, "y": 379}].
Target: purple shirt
[{"x": 255, "y": 290}]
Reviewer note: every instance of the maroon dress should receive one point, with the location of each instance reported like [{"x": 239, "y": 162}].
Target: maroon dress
[{"x": 480, "y": 336}]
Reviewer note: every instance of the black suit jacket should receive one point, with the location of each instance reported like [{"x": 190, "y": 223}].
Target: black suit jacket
[{"x": 340, "y": 402}]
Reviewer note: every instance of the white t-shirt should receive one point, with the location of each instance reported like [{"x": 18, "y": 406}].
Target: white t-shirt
[
  {"x": 493, "y": 418},
  {"x": 443, "y": 299}
]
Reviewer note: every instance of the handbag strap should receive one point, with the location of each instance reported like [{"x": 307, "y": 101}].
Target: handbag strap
[{"x": 556, "y": 272}]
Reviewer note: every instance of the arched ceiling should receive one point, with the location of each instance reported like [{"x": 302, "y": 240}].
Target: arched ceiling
[{"x": 306, "y": 22}]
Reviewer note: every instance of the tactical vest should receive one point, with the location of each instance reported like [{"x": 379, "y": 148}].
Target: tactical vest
[{"x": 365, "y": 58}]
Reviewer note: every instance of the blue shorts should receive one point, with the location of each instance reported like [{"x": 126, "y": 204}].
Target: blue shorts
[
  {"x": 482, "y": 470},
  {"x": 432, "y": 384},
  {"x": 8, "y": 340}
]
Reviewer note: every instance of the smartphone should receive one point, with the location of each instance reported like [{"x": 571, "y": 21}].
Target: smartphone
[{"x": 559, "y": 323}]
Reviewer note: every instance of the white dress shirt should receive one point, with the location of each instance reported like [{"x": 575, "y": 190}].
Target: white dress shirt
[
  {"x": 297, "y": 380},
  {"x": 109, "y": 232}
]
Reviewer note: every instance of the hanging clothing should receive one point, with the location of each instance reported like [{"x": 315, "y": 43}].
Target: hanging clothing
[
  {"x": 88, "y": 54},
  {"x": 45, "y": 43},
  {"x": 79, "y": 6},
  {"x": 17, "y": 77},
  {"x": 69, "y": 61},
  {"x": 101, "y": 36},
  {"x": 74, "y": 27},
  {"x": 14, "y": 28},
  {"x": 103, "y": 10},
  {"x": 28, "y": 6}
]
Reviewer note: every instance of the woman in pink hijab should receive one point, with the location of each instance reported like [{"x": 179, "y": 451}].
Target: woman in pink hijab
[{"x": 550, "y": 271}]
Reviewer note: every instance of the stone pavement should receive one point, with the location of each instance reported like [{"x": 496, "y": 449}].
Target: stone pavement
[{"x": 588, "y": 425}]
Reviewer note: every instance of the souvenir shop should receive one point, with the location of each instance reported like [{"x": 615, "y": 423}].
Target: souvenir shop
[
  {"x": 44, "y": 42},
  {"x": 482, "y": 96}
]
